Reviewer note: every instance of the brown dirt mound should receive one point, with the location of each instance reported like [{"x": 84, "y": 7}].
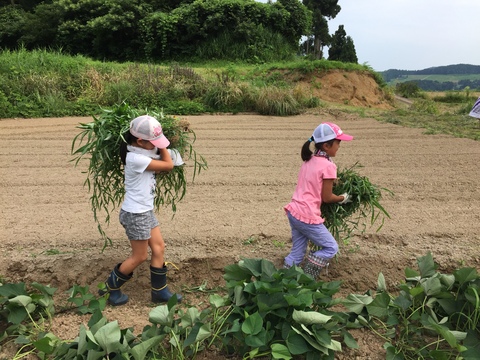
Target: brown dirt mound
[{"x": 345, "y": 87}]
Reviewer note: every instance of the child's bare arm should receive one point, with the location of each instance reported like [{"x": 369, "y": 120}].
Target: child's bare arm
[
  {"x": 327, "y": 192},
  {"x": 165, "y": 163}
]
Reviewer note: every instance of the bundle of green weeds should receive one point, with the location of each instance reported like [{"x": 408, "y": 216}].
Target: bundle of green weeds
[
  {"x": 344, "y": 220},
  {"x": 99, "y": 142}
]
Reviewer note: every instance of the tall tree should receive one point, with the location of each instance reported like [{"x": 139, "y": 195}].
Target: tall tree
[
  {"x": 102, "y": 29},
  {"x": 342, "y": 47},
  {"x": 299, "y": 20},
  {"x": 167, "y": 5},
  {"x": 321, "y": 10}
]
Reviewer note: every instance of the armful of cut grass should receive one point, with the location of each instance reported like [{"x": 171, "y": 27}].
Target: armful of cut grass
[
  {"x": 99, "y": 143},
  {"x": 343, "y": 220}
]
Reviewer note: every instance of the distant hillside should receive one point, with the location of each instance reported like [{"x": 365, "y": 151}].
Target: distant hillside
[{"x": 440, "y": 78}]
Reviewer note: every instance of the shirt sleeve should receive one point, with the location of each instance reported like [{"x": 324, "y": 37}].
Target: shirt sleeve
[
  {"x": 139, "y": 162},
  {"x": 330, "y": 171}
]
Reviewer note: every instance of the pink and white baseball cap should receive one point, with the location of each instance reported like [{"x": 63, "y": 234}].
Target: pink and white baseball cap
[
  {"x": 146, "y": 127},
  {"x": 329, "y": 131}
]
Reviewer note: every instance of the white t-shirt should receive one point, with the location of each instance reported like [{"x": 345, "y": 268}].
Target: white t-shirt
[{"x": 140, "y": 184}]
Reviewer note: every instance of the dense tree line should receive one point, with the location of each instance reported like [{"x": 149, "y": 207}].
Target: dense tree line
[
  {"x": 159, "y": 30},
  {"x": 432, "y": 85},
  {"x": 458, "y": 69}
]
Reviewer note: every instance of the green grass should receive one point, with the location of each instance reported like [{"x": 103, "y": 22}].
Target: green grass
[
  {"x": 44, "y": 84},
  {"x": 457, "y": 125}
]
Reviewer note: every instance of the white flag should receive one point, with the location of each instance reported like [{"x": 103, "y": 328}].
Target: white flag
[{"x": 476, "y": 109}]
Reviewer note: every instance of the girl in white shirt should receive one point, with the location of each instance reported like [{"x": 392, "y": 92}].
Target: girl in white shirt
[{"x": 144, "y": 155}]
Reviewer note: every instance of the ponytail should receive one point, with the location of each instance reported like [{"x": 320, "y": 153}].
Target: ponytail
[
  {"x": 129, "y": 139},
  {"x": 311, "y": 146},
  {"x": 307, "y": 149}
]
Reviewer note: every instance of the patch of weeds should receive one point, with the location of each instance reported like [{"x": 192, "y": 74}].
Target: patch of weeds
[
  {"x": 353, "y": 248},
  {"x": 250, "y": 241},
  {"x": 51, "y": 252},
  {"x": 277, "y": 101},
  {"x": 279, "y": 244},
  {"x": 316, "y": 84},
  {"x": 203, "y": 288},
  {"x": 425, "y": 106},
  {"x": 430, "y": 132},
  {"x": 312, "y": 102}
]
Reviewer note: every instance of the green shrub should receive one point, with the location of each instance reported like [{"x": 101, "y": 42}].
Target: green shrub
[
  {"x": 6, "y": 109},
  {"x": 425, "y": 106},
  {"x": 407, "y": 89},
  {"x": 275, "y": 101},
  {"x": 450, "y": 97}
]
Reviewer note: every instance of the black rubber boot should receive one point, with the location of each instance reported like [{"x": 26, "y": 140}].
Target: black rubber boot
[
  {"x": 114, "y": 282},
  {"x": 314, "y": 265},
  {"x": 160, "y": 292}
]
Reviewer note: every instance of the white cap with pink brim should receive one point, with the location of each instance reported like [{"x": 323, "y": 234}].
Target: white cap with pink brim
[{"x": 146, "y": 127}]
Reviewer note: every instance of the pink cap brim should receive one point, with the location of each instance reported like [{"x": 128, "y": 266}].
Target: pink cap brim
[
  {"x": 344, "y": 137},
  {"x": 161, "y": 143}
]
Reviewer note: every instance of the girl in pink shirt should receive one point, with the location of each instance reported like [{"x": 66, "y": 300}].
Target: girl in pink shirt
[{"x": 314, "y": 186}]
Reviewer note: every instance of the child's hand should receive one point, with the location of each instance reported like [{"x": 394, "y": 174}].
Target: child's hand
[{"x": 346, "y": 199}]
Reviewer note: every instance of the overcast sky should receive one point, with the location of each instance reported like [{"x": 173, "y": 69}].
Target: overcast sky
[{"x": 411, "y": 34}]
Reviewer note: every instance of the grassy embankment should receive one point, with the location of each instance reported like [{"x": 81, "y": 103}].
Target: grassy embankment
[{"x": 48, "y": 84}]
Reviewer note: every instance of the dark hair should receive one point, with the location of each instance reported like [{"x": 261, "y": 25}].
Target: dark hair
[
  {"x": 307, "y": 154},
  {"x": 129, "y": 139}
]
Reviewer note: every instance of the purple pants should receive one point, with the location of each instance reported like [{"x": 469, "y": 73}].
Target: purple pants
[{"x": 317, "y": 233}]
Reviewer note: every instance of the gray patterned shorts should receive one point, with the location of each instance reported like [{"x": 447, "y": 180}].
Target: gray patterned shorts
[{"x": 138, "y": 226}]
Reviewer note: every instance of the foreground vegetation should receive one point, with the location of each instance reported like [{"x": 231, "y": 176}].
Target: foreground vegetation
[{"x": 263, "y": 312}]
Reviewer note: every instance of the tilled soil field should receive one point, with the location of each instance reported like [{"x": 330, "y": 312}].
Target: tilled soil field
[{"x": 234, "y": 209}]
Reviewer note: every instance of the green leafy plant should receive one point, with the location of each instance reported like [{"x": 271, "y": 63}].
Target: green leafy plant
[
  {"x": 175, "y": 333},
  {"x": 343, "y": 220},
  {"x": 84, "y": 301},
  {"x": 432, "y": 316},
  {"x": 27, "y": 314},
  {"x": 99, "y": 143},
  {"x": 281, "y": 313}
]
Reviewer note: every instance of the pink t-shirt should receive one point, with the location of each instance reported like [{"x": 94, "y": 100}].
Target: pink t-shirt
[{"x": 307, "y": 198}]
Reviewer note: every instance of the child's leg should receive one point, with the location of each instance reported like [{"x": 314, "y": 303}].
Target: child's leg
[
  {"x": 124, "y": 272},
  {"x": 299, "y": 242},
  {"x": 137, "y": 228},
  {"x": 139, "y": 255},
  {"x": 321, "y": 237},
  {"x": 158, "y": 270},
  {"x": 320, "y": 259},
  {"x": 157, "y": 245}
]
